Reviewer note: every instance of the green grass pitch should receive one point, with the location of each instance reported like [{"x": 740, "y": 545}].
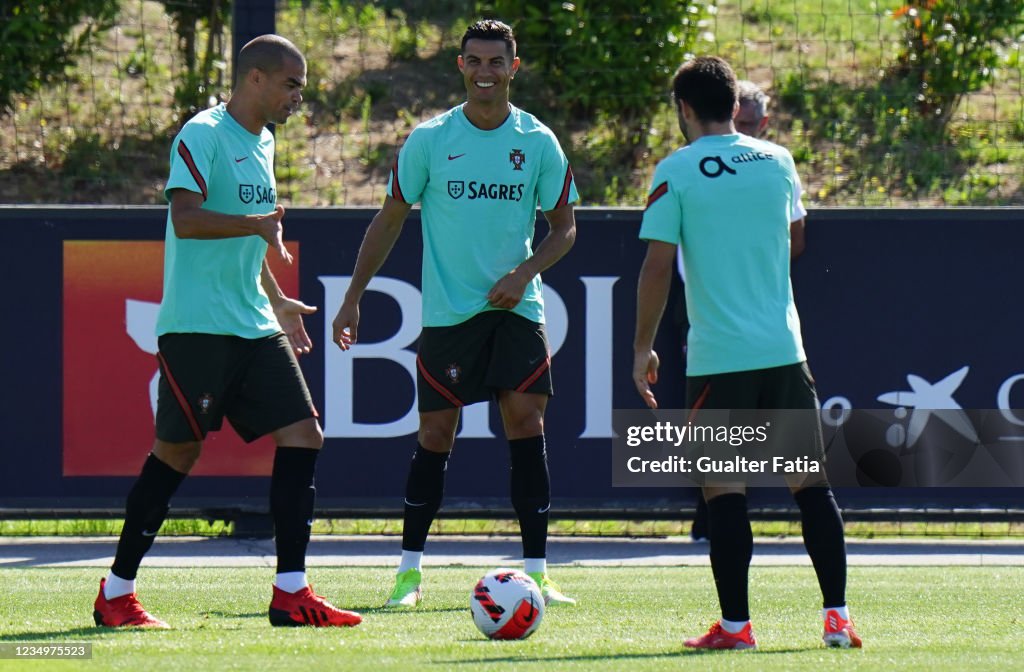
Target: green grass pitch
[{"x": 911, "y": 618}]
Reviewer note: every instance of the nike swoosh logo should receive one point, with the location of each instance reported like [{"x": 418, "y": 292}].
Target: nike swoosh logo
[
  {"x": 309, "y": 522},
  {"x": 147, "y": 533},
  {"x": 416, "y": 505},
  {"x": 241, "y": 159},
  {"x": 457, "y": 156},
  {"x": 544, "y": 510}
]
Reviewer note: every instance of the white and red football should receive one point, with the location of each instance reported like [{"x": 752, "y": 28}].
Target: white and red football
[{"x": 506, "y": 604}]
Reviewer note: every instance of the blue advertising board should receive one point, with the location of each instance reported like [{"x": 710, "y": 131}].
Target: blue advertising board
[{"x": 914, "y": 303}]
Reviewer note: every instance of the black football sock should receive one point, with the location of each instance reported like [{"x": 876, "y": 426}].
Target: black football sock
[
  {"x": 732, "y": 545},
  {"x": 424, "y": 491},
  {"x": 145, "y": 511},
  {"x": 292, "y": 498},
  {"x": 825, "y": 542},
  {"x": 699, "y": 529},
  {"x": 531, "y": 493}
]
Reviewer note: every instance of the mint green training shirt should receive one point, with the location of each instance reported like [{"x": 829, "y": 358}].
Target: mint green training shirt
[
  {"x": 728, "y": 200},
  {"x": 213, "y": 286},
  {"x": 479, "y": 192}
]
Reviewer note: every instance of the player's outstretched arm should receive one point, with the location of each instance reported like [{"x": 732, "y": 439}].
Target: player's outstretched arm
[
  {"x": 651, "y": 296},
  {"x": 190, "y": 220},
  {"x": 376, "y": 246},
  {"x": 508, "y": 291},
  {"x": 289, "y": 312}
]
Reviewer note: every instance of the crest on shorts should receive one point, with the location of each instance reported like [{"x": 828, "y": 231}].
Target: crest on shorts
[
  {"x": 454, "y": 372},
  {"x": 517, "y": 158},
  {"x": 456, "y": 188},
  {"x": 246, "y": 192},
  {"x": 205, "y": 402}
]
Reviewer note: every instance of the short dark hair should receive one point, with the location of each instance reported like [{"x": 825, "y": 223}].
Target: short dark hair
[
  {"x": 708, "y": 85},
  {"x": 266, "y": 53},
  {"x": 491, "y": 29}
]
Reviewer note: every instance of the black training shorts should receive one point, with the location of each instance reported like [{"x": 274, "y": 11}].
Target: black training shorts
[
  {"x": 789, "y": 388},
  {"x": 469, "y": 362},
  {"x": 255, "y": 383}
]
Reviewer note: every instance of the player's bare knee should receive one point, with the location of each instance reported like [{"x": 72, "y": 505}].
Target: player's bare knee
[
  {"x": 178, "y": 456},
  {"x": 521, "y": 421},
  {"x": 313, "y": 436},
  {"x": 436, "y": 439},
  {"x": 437, "y": 430},
  {"x": 316, "y": 435},
  {"x": 524, "y": 426},
  {"x": 522, "y": 414},
  {"x": 303, "y": 434},
  {"x": 797, "y": 483}
]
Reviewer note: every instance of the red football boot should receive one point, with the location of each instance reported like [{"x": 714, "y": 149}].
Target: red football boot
[
  {"x": 839, "y": 632},
  {"x": 307, "y": 608},
  {"x": 124, "y": 611},
  {"x": 719, "y": 638}
]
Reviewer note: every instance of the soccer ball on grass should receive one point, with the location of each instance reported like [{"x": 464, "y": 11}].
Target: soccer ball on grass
[{"x": 506, "y": 604}]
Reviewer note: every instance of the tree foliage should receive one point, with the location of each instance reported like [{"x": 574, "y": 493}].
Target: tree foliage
[
  {"x": 612, "y": 59},
  {"x": 39, "y": 39},
  {"x": 200, "y": 26},
  {"x": 952, "y": 48}
]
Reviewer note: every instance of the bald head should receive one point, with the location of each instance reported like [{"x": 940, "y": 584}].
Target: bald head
[{"x": 267, "y": 53}]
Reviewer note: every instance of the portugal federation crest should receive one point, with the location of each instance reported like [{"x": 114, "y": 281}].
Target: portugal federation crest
[
  {"x": 454, "y": 372},
  {"x": 205, "y": 402},
  {"x": 517, "y": 158}
]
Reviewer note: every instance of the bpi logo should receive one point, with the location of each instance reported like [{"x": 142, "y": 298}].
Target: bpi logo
[
  {"x": 456, "y": 188},
  {"x": 593, "y": 319},
  {"x": 112, "y": 291}
]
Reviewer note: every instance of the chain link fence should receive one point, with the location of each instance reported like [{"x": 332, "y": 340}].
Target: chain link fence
[{"x": 833, "y": 68}]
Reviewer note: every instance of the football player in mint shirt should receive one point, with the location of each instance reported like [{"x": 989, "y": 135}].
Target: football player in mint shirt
[
  {"x": 729, "y": 199},
  {"x": 479, "y": 171},
  {"x": 228, "y": 337}
]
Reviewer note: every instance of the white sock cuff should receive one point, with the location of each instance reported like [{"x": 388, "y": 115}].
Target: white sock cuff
[
  {"x": 843, "y": 611},
  {"x": 410, "y": 560},
  {"x": 733, "y": 627},
  {"x": 535, "y": 565},
  {"x": 116, "y": 586},
  {"x": 291, "y": 582}
]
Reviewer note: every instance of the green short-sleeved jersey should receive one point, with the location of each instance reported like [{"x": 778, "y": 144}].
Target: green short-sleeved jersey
[
  {"x": 213, "y": 286},
  {"x": 728, "y": 200},
  {"x": 479, "y": 192}
]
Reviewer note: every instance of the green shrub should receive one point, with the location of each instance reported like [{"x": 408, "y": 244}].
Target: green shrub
[
  {"x": 613, "y": 58},
  {"x": 40, "y": 38},
  {"x": 600, "y": 73},
  {"x": 200, "y": 26},
  {"x": 952, "y": 48}
]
